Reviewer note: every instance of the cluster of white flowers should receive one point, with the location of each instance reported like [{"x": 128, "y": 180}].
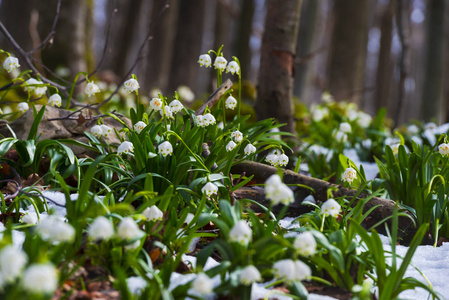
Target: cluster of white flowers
[
  {"x": 277, "y": 158},
  {"x": 219, "y": 63},
  {"x": 231, "y": 103},
  {"x": 241, "y": 233},
  {"x": 101, "y": 130},
  {"x": 291, "y": 270},
  {"x": 10, "y": 64},
  {"x": 249, "y": 149},
  {"x": 249, "y": 275},
  {"x": 277, "y": 191},
  {"x": 38, "y": 91},
  {"x": 55, "y": 100},
  {"x": 209, "y": 189},
  {"x": 205, "y": 120},
  {"x": 305, "y": 243},
  {"x": 176, "y": 106},
  {"x": 444, "y": 149},
  {"x": 166, "y": 112},
  {"x": 153, "y": 213},
  {"x": 40, "y": 279},
  {"x": 349, "y": 175},
  {"x": 55, "y": 230},
  {"x": 131, "y": 85},
  {"x": 319, "y": 113},
  {"x": 345, "y": 127},
  {"x": 139, "y": 126},
  {"x": 23, "y": 107},
  {"x": 125, "y": 148},
  {"x": 12, "y": 262},
  {"x": 101, "y": 229},
  {"x": 91, "y": 89},
  {"x": 237, "y": 136},
  {"x": 165, "y": 149},
  {"x": 330, "y": 208},
  {"x": 128, "y": 230}
]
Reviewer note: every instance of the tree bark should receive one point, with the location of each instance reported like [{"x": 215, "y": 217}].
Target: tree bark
[
  {"x": 243, "y": 49},
  {"x": 275, "y": 84},
  {"x": 347, "y": 57}
]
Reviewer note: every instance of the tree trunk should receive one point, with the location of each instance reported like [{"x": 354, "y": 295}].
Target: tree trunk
[
  {"x": 431, "y": 101},
  {"x": 275, "y": 84},
  {"x": 348, "y": 50},
  {"x": 184, "y": 68},
  {"x": 243, "y": 49}
]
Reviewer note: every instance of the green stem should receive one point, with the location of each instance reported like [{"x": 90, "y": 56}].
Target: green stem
[
  {"x": 73, "y": 88},
  {"x": 240, "y": 95},
  {"x": 188, "y": 149},
  {"x": 322, "y": 223}
]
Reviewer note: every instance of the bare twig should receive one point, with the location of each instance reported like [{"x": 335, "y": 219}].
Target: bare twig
[{"x": 210, "y": 102}]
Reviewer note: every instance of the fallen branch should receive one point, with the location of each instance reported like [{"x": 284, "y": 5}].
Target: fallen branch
[{"x": 213, "y": 99}]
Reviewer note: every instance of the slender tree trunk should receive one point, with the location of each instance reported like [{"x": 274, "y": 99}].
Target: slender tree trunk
[
  {"x": 348, "y": 50},
  {"x": 275, "y": 85},
  {"x": 431, "y": 101},
  {"x": 243, "y": 49}
]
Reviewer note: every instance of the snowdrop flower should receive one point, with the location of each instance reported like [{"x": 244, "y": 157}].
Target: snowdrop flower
[
  {"x": 91, "y": 89},
  {"x": 185, "y": 93},
  {"x": 153, "y": 213},
  {"x": 220, "y": 63},
  {"x": 125, "y": 148},
  {"x": 291, "y": 270},
  {"x": 10, "y": 64},
  {"x": 131, "y": 85},
  {"x": 249, "y": 275},
  {"x": 96, "y": 130},
  {"x": 230, "y": 146},
  {"x": 38, "y": 91},
  {"x": 136, "y": 285},
  {"x": 444, "y": 149},
  {"x": 305, "y": 243},
  {"x": 277, "y": 191},
  {"x": 209, "y": 189},
  {"x": 349, "y": 175},
  {"x": 272, "y": 159},
  {"x": 231, "y": 103},
  {"x": 430, "y": 126},
  {"x": 54, "y": 230},
  {"x": 209, "y": 119},
  {"x": 101, "y": 229},
  {"x": 241, "y": 233},
  {"x": 128, "y": 229},
  {"x": 363, "y": 119},
  {"x": 277, "y": 158},
  {"x": 156, "y": 104},
  {"x": 139, "y": 126},
  {"x": 412, "y": 129},
  {"x": 330, "y": 208},
  {"x": 28, "y": 218},
  {"x": 12, "y": 262},
  {"x": 176, "y": 106},
  {"x": 282, "y": 160},
  {"x": 237, "y": 136},
  {"x": 105, "y": 130},
  {"x": 249, "y": 149},
  {"x": 317, "y": 115},
  {"x": 167, "y": 112},
  {"x": 199, "y": 120},
  {"x": 40, "y": 279},
  {"x": 341, "y": 136},
  {"x": 165, "y": 148},
  {"x": 23, "y": 107},
  {"x": 202, "y": 285},
  {"x": 205, "y": 60},
  {"x": 345, "y": 127},
  {"x": 233, "y": 67},
  {"x": 55, "y": 100}
]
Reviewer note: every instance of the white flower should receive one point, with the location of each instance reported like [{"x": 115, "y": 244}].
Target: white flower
[
  {"x": 105, "y": 130},
  {"x": 131, "y": 85},
  {"x": 363, "y": 119},
  {"x": 153, "y": 213},
  {"x": 156, "y": 104},
  {"x": 23, "y": 107},
  {"x": 12, "y": 262},
  {"x": 166, "y": 111},
  {"x": 209, "y": 119},
  {"x": 327, "y": 97},
  {"x": 209, "y": 189},
  {"x": 237, "y": 136},
  {"x": 165, "y": 148},
  {"x": 91, "y": 89},
  {"x": 233, "y": 67},
  {"x": 189, "y": 218},
  {"x": 305, "y": 243},
  {"x": 139, "y": 126},
  {"x": 55, "y": 100},
  {"x": 291, "y": 270},
  {"x": 231, "y": 102},
  {"x": 29, "y": 218},
  {"x": 96, "y": 130},
  {"x": 40, "y": 279},
  {"x": 128, "y": 229},
  {"x": 282, "y": 160},
  {"x": 199, "y": 120},
  {"x": 10, "y": 64},
  {"x": 249, "y": 275},
  {"x": 241, "y": 233},
  {"x": 330, "y": 208},
  {"x": 205, "y": 60},
  {"x": 202, "y": 285},
  {"x": 341, "y": 136},
  {"x": 55, "y": 230},
  {"x": 412, "y": 129},
  {"x": 136, "y": 285},
  {"x": 101, "y": 229},
  {"x": 125, "y": 147},
  {"x": 154, "y": 93},
  {"x": 38, "y": 91},
  {"x": 230, "y": 146},
  {"x": 186, "y": 94},
  {"x": 302, "y": 271},
  {"x": 1, "y": 111},
  {"x": 220, "y": 63},
  {"x": 277, "y": 158},
  {"x": 349, "y": 175},
  {"x": 395, "y": 148},
  {"x": 176, "y": 106},
  {"x": 345, "y": 127},
  {"x": 249, "y": 149},
  {"x": 278, "y": 192},
  {"x": 444, "y": 149}
]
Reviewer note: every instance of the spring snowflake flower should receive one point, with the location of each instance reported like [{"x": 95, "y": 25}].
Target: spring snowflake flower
[
  {"x": 345, "y": 127},
  {"x": 249, "y": 149},
  {"x": 282, "y": 160},
  {"x": 209, "y": 119},
  {"x": 97, "y": 131},
  {"x": 55, "y": 230},
  {"x": 153, "y": 213},
  {"x": 199, "y": 120},
  {"x": 444, "y": 149},
  {"x": 330, "y": 208},
  {"x": 305, "y": 243},
  {"x": 131, "y": 85},
  {"x": 413, "y": 129},
  {"x": 38, "y": 91},
  {"x": 327, "y": 97},
  {"x": 12, "y": 262},
  {"x": 156, "y": 104},
  {"x": 29, "y": 218},
  {"x": 125, "y": 148},
  {"x": 233, "y": 67},
  {"x": 395, "y": 148},
  {"x": 167, "y": 112},
  {"x": 209, "y": 189},
  {"x": 1, "y": 111},
  {"x": 231, "y": 103},
  {"x": 341, "y": 136},
  {"x": 105, "y": 130},
  {"x": 249, "y": 275},
  {"x": 91, "y": 89},
  {"x": 349, "y": 175},
  {"x": 136, "y": 285},
  {"x": 277, "y": 158},
  {"x": 10, "y": 64},
  {"x": 101, "y": 229},
  {"x": 165, "y": 148},
  {"x": 237, "y": 136},
  {"x": 230, "y": 146},
  {"x": 220, "y": 63},
  {"x": 363, "y": 119},
  {"x": 139, "y": 126},
  {"x": 55, "y": 100},
  {"x": 202, "y": 285},
  {"x": 40, "y": 279},
  {"x": 205, "y": 60},
  {"x": 291, "y": 270},
  {"x": 241, "y": 233},
  {"x": 277, "y": 191},
  {"x": 128, "y": 230},
  {"x": 176, "y": 106},
  {"x": 186, "y": 94}
]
